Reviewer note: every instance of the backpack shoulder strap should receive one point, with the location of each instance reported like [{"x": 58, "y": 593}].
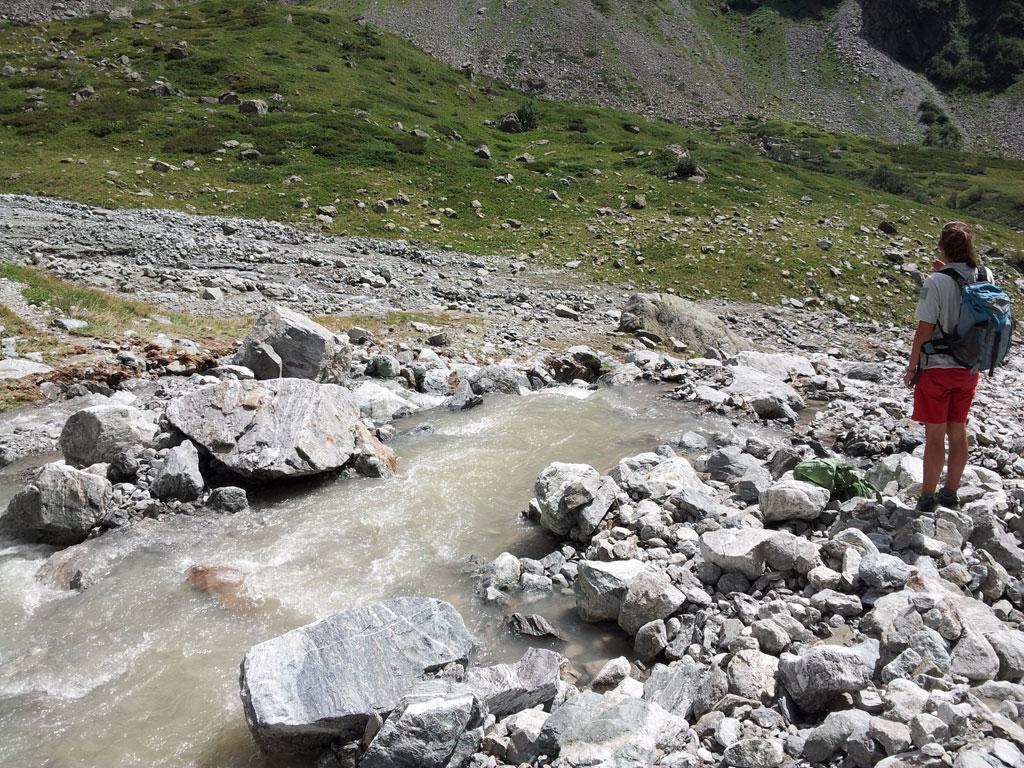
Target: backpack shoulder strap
[{"x": 961, "y": 281}]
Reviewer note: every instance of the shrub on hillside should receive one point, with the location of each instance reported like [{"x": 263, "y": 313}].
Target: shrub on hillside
[
  {"x": 529, "y": 116},
  {"x": 939, "y": 130},
  {"x": 888, "y": 179},
  {"x": 674, "y": 162}
]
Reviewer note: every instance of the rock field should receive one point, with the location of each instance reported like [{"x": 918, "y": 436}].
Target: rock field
[{"x": 774, "y": 621}]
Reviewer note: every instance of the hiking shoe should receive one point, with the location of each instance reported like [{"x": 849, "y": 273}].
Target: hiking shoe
[
  {"x": 927, "y": 502},
  {"x": 948, "y": 498}
]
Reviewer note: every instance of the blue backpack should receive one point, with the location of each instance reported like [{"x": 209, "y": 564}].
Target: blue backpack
[{"x": 981, "y": 338}]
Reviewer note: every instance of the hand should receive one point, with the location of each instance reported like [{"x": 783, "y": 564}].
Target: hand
[{"x": 908, "y": 377}]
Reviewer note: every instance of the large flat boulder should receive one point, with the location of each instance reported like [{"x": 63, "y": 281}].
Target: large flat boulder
[
  {"x": 668, "y": 316},
  {"x": 777, "y": 364},
  {"x": 19, "y": 368},
  {"x": 264, "y": 430},
  {"x": 99, "y": 433},
  {"x": 508, "y": 688},
  {"x": 381, "y": 403},
  {"x": 60, "y": 506},
  {"x": 284, "y": 343},
  {"x": 303, "y": 689},
  {"x": 752, "y": 385}
]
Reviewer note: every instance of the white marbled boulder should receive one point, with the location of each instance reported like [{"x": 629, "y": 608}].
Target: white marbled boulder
[
  {"x": 308, "y": 687},
  {"x": 264, "y": 430}
]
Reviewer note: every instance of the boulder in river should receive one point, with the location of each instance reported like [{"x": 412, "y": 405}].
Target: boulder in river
[
  {"x": 264, "y": 430},
  {"x": 60, "y": 506},
  {"x": 573, "y": 498},
  {"x": 308, "y": 687},
  {"x": 667, "y": 316},
  {"x": 372, "y": 457},
  {"x": 101, "y": 432},
  {"x": 601, "y": 587},
  {"x": 284, "y": 343},
  {"x": 178, "y": 475}
]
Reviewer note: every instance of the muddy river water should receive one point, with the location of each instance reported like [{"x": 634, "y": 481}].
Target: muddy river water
[{"x": 141, "y": 669}]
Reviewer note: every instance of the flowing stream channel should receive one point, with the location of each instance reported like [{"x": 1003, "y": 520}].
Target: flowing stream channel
[{"x": 141, "y": 668}]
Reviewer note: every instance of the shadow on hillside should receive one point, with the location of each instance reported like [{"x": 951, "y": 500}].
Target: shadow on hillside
[{"x": 793, "y": 9}]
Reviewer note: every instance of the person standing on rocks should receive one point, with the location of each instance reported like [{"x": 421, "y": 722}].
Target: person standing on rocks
[{"x": 943, "y": 388}]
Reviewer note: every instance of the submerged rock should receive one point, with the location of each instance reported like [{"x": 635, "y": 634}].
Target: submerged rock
[
  {"x": 263, "y": 430},
  {"x": 308, "y": 687},
  {"x": 284, "y": 343},
  {"x": 532, "y": 625},
  {"x": 60, "y": 506}
]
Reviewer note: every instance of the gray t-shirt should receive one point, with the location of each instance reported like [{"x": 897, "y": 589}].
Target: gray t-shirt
[{"x": 939, "y": 303}]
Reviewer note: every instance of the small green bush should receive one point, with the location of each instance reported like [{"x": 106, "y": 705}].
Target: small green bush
[
  {"x": 665, "y": 162},
  {"x": 888, "y": 179},
  {"x": 939, "y": 131},
  {"x": 528, "y": 114}
]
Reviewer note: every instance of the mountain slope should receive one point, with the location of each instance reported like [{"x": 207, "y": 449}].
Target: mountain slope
[
  {"x": 691, "y": 60},
  {"x": 712, "y": 60},
  {"x": 366, "y": 134}
]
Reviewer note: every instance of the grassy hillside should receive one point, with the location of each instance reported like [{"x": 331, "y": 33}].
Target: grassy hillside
[{"x": 337, "y": 93}]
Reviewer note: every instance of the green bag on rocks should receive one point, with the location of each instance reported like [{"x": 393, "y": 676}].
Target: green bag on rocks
[{"x": 844, "y": 482}]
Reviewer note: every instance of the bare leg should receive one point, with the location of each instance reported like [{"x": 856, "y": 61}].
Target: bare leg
[
  {"x": 957, "y": 454},
  {"x": 934, "y": 456}
]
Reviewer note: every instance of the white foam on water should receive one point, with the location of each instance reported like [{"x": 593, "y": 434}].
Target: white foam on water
[{"x": 142, "y": 668}]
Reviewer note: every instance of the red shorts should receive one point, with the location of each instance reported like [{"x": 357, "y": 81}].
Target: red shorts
[{"x": 944, "y": 395}]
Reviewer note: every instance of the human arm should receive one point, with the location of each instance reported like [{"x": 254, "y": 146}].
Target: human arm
[{"x": 923, "y": 334}]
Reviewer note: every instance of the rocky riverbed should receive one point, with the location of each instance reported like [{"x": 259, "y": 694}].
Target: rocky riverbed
[{"x": 723, "y": 610}]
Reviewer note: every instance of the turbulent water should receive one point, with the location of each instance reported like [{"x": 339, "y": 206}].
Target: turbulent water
[{"x": 141, "y": 669}]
